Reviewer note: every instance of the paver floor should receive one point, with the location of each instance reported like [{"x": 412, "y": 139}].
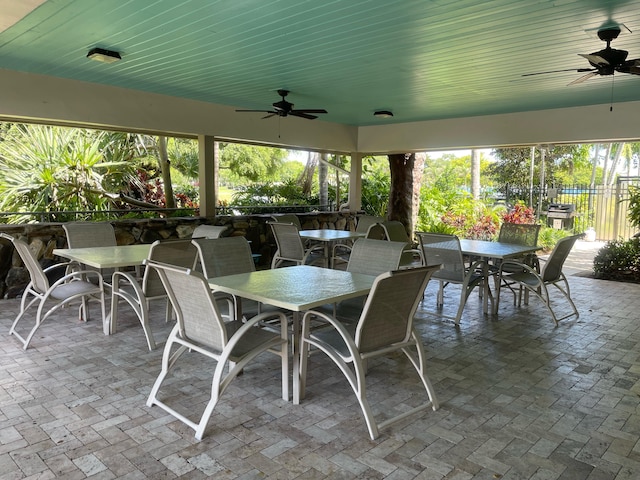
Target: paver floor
[{"x": 520, "y": 399}]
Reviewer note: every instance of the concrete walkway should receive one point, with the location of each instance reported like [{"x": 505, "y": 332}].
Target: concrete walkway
[{"x": 580, "y": 260}]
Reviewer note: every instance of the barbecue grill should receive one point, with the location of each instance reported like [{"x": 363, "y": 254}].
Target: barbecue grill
[{"x": 560, "y": 215}]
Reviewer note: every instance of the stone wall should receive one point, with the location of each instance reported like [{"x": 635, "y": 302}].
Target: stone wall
[{"x": 45, "y": 237}]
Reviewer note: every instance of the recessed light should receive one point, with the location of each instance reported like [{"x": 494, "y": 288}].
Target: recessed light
[
  {"x": 102, "y": 55},
  {"x": 383, "y": 114}
]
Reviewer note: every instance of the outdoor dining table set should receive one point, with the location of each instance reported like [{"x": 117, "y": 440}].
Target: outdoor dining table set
[{"x": 297, "y": 290}]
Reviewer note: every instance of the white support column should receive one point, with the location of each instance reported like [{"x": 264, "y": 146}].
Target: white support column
[
  {"x": 355, "y": 183},
  {"x": 206, "y": 175}
]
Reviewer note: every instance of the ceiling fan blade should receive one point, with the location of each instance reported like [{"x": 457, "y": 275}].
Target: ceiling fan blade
[
  {"x": 270, "y": 114},
  {"x": 583, "y": 78},
  {"x": 558, "y": 71},
  {"x": 310, "y": 110},
  {"x": 595, "y": 59},
  {"x": 630, "y": 66},
  {"x": 302, "y": 114},
  {"x": 258, "y": 111}
]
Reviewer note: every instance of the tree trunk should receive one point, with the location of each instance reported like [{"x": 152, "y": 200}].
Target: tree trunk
[
  {"x": 401, "y": 193},
  {"x": 606, "y": 164},
  {"x": 306, "y": 178},
  {"x": 475, "y": 174},
  {"x": 323, "y": 171},
  {"x": 614, "y": 164},
  {"x": 165, "y": 169}
]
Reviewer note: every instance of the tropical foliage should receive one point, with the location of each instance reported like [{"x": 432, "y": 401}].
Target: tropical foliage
[{"x": 52, "y": 169}]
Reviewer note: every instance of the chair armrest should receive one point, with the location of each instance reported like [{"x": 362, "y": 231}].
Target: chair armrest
[
  {"x": 525, "y": 268},
  {"x": 58, "y": 265},
  {"x": 80, "y": 275},
  {"x": 118, "y": 279}
]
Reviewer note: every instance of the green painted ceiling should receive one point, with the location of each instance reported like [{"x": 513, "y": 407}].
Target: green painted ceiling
[{"x": 422, "y": 59}]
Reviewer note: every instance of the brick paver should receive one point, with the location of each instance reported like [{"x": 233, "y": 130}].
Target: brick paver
[{"x": 520, "y": 399}]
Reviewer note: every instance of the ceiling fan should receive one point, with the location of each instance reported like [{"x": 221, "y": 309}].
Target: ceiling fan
[
  {"x": 604, "y": 62},
  {"x": 284, "y": 109}
]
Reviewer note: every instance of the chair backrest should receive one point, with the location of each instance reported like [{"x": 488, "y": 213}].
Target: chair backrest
[
  {"x": 40, "y": 282},
  {"x": 376, "y": 232},
  {"x": 519, "y": 233},
  {"x": 552, "y": 268},
  {"x": 288, "y": 218},
  {"x": 224, "y": 256},
  {"x": 445, "y": 250},
  {"x": 395, "y": 231},
  {"x": 387, "y": 317},
  {"x": 365, "y": 221},
  {"x": 208, "y": 231},
  {"x": 197, "y": 314},
  {"x": 181, "y": 253},
  {"x": 373, "y": 257},
  {"x": 288, "y": 240},
  {"x": 90, "y": 234}
]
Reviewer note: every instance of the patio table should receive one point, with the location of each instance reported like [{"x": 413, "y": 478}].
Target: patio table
[
  {"x": 297, "y": 289},
  {"x": 120, "y": 256},
  {"x": 329, "y": 237},
  {"x": 489, "y": 250}
]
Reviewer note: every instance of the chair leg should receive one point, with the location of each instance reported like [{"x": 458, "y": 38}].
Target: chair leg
[{"x": 213, "y": 401}]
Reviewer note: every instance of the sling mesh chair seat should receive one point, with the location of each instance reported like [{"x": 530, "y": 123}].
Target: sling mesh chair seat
[
  {"x": 538, "y": 283},
  {"x": 341, "y": 251},
  {"x": 445, "y": 250},
  {"x": 395, "y": 231},
  {"x": 518, "y": 234},
  {"x": 209, "y": 231},
  {"x": 385, "y": 326},
  {"x": 290, "y": 248},
  {"x": 91, "y": 234},
  {"x": 139, "y": 295},
  {"x": 368, "y": 257},
  {"x": 226, "y": 256},
  {"x": 200, "y": 330},
  {"x": 73, "y": 286}
]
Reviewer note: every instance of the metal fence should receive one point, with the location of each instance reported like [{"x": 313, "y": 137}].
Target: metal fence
[
  {"x": 100, "y": 215},
  {"x": 602, "y": 207}
]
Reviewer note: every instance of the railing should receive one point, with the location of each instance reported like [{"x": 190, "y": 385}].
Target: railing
[
  {"x": 74, "y": 215},
  {"x": 601, "y": 207}
]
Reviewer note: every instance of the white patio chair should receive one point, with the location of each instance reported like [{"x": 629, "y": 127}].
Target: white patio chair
[
  {"x": 394, "y": 231},
  {"x": 550, "y": 275},
  {"x": 67, "y": 289},
  {"x": 287, "y": 218},
  {"x": 368, "y": 257},
  {"x": 209, "y": 231},
  {"x": 200, "y": 330},
  {"x": 91, "y": 234},
  {"x": 341, "y": 251},
  {"x": 139, "y": 295},
  {"x": 225, "y": 256},
  {"x": 519, "y": 234},
  {"x": 290, "y": 249},
  {"x": 385, "y": 326},
  {"x": 441, "y": 249}
]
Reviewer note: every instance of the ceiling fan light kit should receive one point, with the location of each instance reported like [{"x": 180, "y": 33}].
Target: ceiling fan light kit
[
  {"x": 102, "y": 55},
  {"x": 283, "y": 108}
]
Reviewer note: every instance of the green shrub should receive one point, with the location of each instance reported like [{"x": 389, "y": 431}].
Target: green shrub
[
  {"x": 618, "y": 260},
  {"x": 548, "y": 237}
]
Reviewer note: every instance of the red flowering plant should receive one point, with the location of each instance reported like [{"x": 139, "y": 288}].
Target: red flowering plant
[
  {"x": 520, "y": 213},
  {"x": 483, "y": 226}
]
